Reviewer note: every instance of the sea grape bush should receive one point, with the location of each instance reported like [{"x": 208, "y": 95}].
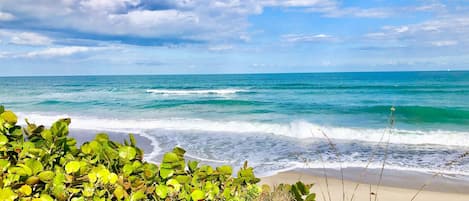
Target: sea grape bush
[{"x": 44, "y": 164}]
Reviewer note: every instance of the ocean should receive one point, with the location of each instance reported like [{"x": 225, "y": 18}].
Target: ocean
[{"x": 275, "y": 121}]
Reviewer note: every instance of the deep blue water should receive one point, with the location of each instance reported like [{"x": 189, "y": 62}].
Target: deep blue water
[{"x": 274, "y": 120}]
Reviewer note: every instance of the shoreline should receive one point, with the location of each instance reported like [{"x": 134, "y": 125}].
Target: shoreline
[
  {"x": 406, "y": 182},
  {"x": 395, "y": 185}
]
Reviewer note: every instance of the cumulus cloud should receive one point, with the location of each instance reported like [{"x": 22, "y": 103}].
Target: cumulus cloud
[{"x": 203, "y": 20}]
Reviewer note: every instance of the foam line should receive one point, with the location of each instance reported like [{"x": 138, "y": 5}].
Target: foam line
[{"x": 296, "y": 129}]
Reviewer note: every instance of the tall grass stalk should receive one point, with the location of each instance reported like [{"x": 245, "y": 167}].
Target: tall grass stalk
[
  {"x": 325, "y": 177},
  {"x": 449, "y": 163},
  {"x": 372, "y": 155},
  {"x": 334, "y": 149},
  {"x": 391, "y": 122}
]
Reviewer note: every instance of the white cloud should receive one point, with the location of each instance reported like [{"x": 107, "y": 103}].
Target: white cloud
[
  {"x": 24, "y": 38},
  {"x": 444, "y": 43},
  {"x": 298, "y": 3},
  {"x": 28, "y": 38},
  {"x": 107, "y": 5},
  {"x": 219, "y": 48},
  {"x": 151, "y": 23},
  {"x": 6, "y": 16},
  {"x": 441, "y": 31},
  {"x": 207, "y": 20},
  {"x": 294, "y": 38},
  {"x": 58, "y": 51}
]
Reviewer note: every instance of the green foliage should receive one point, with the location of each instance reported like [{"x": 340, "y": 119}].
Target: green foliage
[{"x": 40, "y": 164}]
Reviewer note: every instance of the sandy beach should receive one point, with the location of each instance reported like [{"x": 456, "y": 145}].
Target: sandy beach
[{"x": 396, "y": 185}]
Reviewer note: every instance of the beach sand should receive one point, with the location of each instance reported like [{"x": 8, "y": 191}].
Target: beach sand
[{"x": 396, "y": 185}]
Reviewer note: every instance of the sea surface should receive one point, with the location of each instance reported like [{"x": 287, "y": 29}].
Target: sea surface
[{"x": 275, "y": 121}]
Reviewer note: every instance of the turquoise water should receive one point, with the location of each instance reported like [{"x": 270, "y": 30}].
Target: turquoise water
[{"x": 274, "y": 120}]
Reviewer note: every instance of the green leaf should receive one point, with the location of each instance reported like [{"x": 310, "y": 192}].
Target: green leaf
[
  {"x": 197, "y": 195},
  {"x": 179, "y": 151},
  {"x": 192, "y": 165},
  {"x": 174, "y": 184},
  {"x": 139, "y": 195},
  {"x": 170, "y": 157},
  {"x": 32, "y": 180},
  {"x": 162, "y": 191},
  {"x": 23, "y": 170},
  {"x": 59, "y": 128},
  {"x": 4, "y": 164},
  {"x": 25, "y": 190},
  {"x": 183, "y": 179},
  {"x": 302, "y": 188},
  {"x": 133, "y": 142},
  {"x": 3, "y": 140},
  {"x": 6, "y": 194},
  {"x": 102, "y": 137},
  {"x": 310, "y": 197},
  {"x": 9, "y": 117},
  {"x": 2, "y": 109},
  {"x": 119, "y": 193},
  {"x": 127, "y": 153},
  {"x": 72, "y": 167},
  {"x": 34, "y": 165},
  {"x": 166, "y": 173},
  {"x": 47, "y": 135},
  {"x": 46, "y": 176},
  {"x": 225, "y": 170}
]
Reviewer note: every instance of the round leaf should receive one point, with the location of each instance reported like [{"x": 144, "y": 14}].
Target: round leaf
[
  {"x": 72, "y": 167},
  {"x": 9, "y": 117},
  {"x": 197, "y": 195},
  {"x": 127, "y": 153},
  {"x": 46, "y": 176},
  {"x": 25, "y": 190},
  {"x": 162, "y": 191}
]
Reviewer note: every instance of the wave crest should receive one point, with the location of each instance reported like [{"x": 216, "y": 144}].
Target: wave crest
[{"x": 296, "y": 129}]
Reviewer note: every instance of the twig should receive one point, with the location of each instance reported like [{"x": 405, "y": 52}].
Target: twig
[
  {"x": 325, "y": 177},
  {"x": 385, "y": 152},
  {"x": 370, "y": 159},
  {"x": 333, "y": 147},
  {"x": 452, "y": 162}
]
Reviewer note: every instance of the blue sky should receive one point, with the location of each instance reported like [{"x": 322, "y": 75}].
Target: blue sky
[{"x": 70, "y": 37}]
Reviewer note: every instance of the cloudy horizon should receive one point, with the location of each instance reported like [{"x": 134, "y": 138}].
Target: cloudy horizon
[{"x": 81, "y": 37}]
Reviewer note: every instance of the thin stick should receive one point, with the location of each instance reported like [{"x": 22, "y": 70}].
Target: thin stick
[
  {"x": 370, "y": 159},
  {"x": 452, "y": 162},
  {"x": 370, "y": 192},
  {"x": 332, "y": 145},
  {"x": 325, "y": 177},
  {"x": 385, "y": 152}
]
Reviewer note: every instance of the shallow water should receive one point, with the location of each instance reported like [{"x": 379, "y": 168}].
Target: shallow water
[{"x": 276, "y": 121}]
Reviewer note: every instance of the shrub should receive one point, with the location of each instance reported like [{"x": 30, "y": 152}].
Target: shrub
[{"x": 43, "y": 164}]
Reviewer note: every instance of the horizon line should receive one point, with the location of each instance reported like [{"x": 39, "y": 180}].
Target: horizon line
[{"x": 260, "y": 73}]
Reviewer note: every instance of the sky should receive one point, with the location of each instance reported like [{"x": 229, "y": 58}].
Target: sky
[{"x": 94, "y": 37}]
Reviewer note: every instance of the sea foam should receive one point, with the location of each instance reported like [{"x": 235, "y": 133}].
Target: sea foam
[{"x": 296, "y": 129}]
